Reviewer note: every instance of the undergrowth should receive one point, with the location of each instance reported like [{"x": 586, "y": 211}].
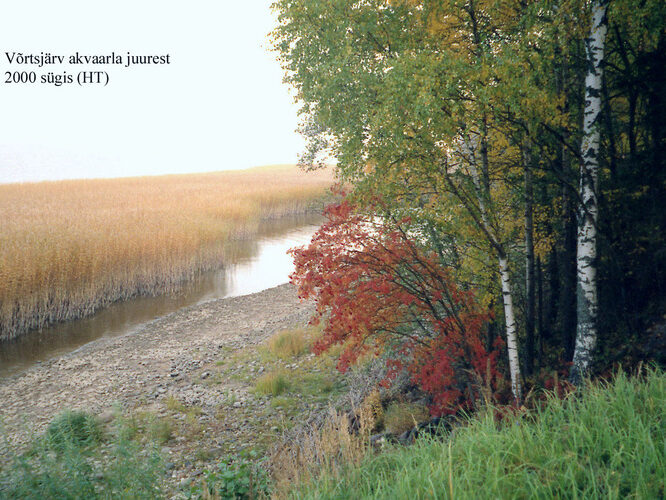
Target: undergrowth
[
  {"x": 234, "y": 477},
  {"x": 74, "y": 460},
  {"x": 608, "y": 442}
]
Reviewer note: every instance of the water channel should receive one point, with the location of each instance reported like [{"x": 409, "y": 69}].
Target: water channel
[{"x": 261, "y": 263}]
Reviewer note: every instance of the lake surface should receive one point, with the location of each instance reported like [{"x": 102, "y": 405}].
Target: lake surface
[{"x": 260, "y": 263}]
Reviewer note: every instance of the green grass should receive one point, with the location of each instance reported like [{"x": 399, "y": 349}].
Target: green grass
[
  {"x": 315, "y": 384},
  {"x": 609, "y": 443},
  {"x": 273, "y": 384},
  {"x": 72, "y": 460},
  {"x": 72, "y": 428}
]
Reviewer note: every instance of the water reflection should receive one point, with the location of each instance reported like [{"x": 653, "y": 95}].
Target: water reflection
[{"x": 258, "y": 264}]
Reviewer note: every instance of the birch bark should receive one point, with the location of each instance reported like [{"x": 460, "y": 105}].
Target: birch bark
[
  {"x": 586, "y": 258},
  {"x": 510, "y": 319},
  {"x": 507, "y": 295}
]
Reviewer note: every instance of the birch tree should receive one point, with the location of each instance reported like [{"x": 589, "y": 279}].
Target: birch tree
[
  {"x": 472, "y": 147},
  {"x": 586, "y": 258},
  {"x": 398, "y": 86}
]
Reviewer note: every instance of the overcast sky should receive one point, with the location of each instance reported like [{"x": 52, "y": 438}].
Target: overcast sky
[{"x": 219, "y": 105}]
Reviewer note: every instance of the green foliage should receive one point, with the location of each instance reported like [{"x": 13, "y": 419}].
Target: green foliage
[
  {"x": 237, "y": 477},
  {"x": 607, "y": 443},
  {"x": 73, "y": 429},
  {"x": 272, "y": 384},
  {"x": 71, "y": 462},
  {"x": 314, "y": 384}
]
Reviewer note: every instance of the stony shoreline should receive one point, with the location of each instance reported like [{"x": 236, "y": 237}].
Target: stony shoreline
[{"x": 168, "y": 357}]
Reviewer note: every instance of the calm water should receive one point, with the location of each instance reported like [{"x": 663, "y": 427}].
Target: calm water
[{"x": 261, "y": 263}]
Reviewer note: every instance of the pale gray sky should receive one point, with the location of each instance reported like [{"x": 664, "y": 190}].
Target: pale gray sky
[{"x": 219, "y": 105}]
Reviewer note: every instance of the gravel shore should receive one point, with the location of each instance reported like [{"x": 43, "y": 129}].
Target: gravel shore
[{"x": 167, "y": 356}]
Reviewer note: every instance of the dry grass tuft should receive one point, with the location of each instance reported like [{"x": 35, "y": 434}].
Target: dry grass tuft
[
  {"x": 173, "y": 404},
  {"x": 68, "y": 248},
  {"x": 328, "y": 448},
  {"x": 371, "y": 412},
  {"x": 400, "y": 417},
  {"x": 292, "y": 343}
]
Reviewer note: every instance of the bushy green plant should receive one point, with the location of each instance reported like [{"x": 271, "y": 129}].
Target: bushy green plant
[
  {"x": 70, "y": 461},
  {"x": 73, "y": 428},
  {"x": 237, "y": 477}
]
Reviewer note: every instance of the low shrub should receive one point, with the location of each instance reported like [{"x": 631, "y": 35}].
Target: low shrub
[
  {"x": 239, "y": 477},
  {"x": 70, "y": 461}
]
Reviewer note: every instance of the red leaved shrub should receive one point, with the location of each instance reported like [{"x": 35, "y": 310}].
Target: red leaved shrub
[{"x": 370, "y": 279}]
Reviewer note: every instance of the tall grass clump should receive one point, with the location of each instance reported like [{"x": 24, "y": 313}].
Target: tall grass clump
[
  {"x": 68, "y": 248},
  {"x": 291, "y": 343},
  {"x": 608, "y": 442},
  {"x": 327, "y": 446},
  {"x": 73, "y": 428},
  {"x": 272, "y": 384},
  {"x": 72, "y": 461}
]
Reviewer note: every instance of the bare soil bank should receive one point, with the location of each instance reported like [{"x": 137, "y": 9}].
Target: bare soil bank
[{"x": 166, "y": 357}]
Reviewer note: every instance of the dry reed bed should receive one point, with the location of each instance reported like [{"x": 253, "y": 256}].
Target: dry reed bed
[{"x": 68, "y": 248}]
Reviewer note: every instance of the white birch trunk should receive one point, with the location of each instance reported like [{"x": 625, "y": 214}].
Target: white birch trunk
[
  {"x": 507, "y": 296},
  {"x": 510, "y": 319},
  {"x": 586, "y": 289}
]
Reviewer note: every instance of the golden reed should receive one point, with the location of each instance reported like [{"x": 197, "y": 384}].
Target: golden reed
[{"x": 68, "y": 248}]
